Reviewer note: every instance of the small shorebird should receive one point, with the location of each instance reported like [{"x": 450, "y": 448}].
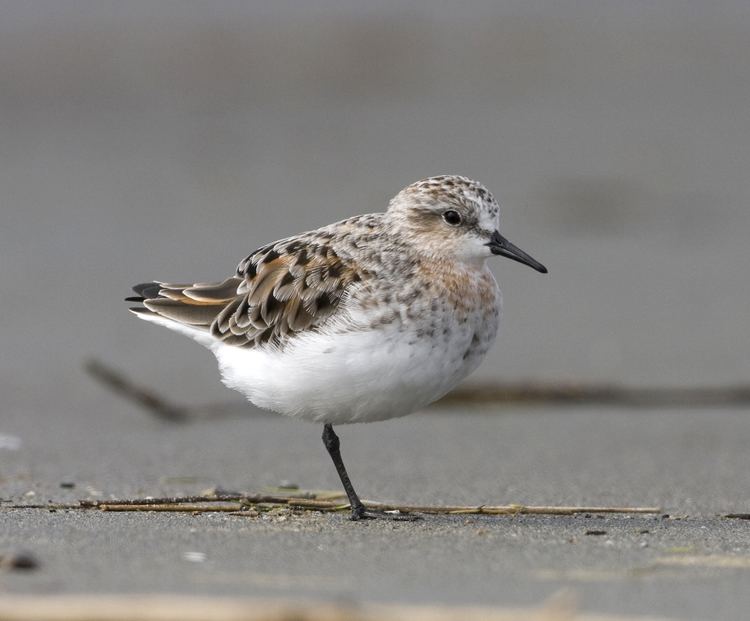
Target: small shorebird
[{"x": 366, "y": 319}]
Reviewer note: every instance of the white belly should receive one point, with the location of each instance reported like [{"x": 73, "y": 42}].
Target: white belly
[{"x": 357, "y": 376}]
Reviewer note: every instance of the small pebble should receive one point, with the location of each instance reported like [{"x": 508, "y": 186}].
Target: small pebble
[{"x": 67, "y": 484}]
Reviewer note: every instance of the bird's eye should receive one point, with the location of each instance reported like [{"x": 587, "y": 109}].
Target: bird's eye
[{"x": 452, "y": 217}]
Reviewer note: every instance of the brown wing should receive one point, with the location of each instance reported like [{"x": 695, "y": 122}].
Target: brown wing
[{"x": 281, "y": 289}]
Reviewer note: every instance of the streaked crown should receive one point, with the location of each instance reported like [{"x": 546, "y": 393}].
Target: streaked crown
[{"x": 447, "y": 189}]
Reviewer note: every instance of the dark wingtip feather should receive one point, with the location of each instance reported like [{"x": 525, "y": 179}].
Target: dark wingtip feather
[{"x": 145, "y": 290}]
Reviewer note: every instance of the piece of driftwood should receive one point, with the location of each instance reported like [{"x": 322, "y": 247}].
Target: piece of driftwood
[
  {"x": 513, "y": 509},
  {"x": 185, "y": 507},
  {"x": 327, "y": 501},
  {"x": 145, "y": 398},
  {"x": 318, "y": 500},
  {"x": 599, "y": 394}
]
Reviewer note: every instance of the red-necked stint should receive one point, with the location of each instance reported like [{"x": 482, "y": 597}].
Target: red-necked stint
[{"x": 366, "y": 319}]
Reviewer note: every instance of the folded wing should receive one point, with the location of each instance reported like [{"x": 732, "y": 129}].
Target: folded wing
[{"x": 280, "y": 290}]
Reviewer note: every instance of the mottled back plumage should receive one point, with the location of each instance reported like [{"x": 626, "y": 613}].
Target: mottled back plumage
[{"x": 281, "y": 289}]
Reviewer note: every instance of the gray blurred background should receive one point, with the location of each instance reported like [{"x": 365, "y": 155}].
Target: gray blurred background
[{"x": 166, "y": 140}]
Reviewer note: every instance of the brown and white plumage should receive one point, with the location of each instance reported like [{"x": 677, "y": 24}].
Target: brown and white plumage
[
  {"x": 281, "y": 289},
  {"x": 369, "y": 318}
]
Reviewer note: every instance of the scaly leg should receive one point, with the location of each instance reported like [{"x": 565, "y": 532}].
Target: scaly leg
[{"x": 331, "y": 441}]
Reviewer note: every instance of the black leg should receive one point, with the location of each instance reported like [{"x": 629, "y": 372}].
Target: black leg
[{"x": 331, "y": 441}]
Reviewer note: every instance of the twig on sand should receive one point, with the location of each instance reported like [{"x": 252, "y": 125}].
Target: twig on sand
[
  {"x": 184, "y": 507},
  {"x": 326, "y": 501},
  {"x": 146, "y": 398},
  {"x": 599, "y": 394},
  {"x": 93, "y": 504},
  {"x": 513, "y": 509}
]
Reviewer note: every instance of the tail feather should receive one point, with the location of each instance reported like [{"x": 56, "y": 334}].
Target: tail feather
[
  {"x": 145, "y": 290},
  {"x": 182, "y": 312},
  {"x": 190, "y": 306}
]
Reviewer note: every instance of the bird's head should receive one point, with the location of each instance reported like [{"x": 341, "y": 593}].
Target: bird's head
[{"x": 453, "y": 217}]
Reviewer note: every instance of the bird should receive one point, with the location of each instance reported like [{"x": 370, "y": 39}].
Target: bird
[{"x": 366, "y": 319}]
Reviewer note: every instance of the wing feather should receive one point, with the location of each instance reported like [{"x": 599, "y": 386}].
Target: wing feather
[{"x": 280, "y": 290}]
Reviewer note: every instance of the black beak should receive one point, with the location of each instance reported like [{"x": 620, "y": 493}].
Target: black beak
[{"x": 499, "y": 245}]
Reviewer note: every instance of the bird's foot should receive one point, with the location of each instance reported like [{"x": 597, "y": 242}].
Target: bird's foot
[{"x": 362, "y": 513}]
